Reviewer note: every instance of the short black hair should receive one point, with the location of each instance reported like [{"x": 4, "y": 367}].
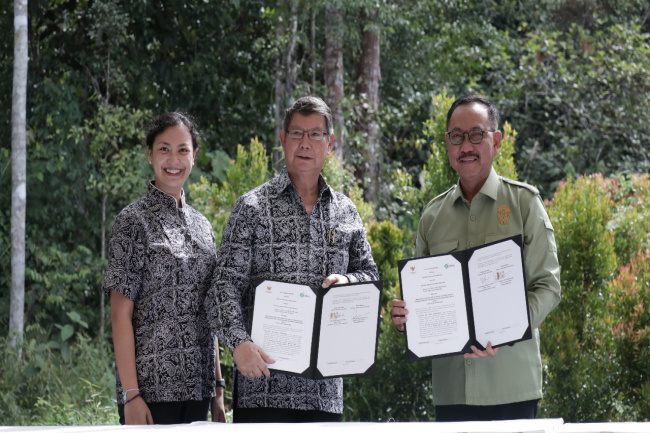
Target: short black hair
[
  {"x": 309, "y": 105},
  {"x": 493, "y": 111},
  {"x": 173, "y": 118}
]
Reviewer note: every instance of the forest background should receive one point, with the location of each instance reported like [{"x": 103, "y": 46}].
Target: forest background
[{"x": 572, "y": 78}]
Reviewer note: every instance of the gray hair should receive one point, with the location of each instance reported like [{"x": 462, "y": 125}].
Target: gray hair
[{"x": 309, "y": 105}]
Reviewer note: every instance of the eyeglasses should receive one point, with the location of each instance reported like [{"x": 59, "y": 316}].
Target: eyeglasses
[
  {"x": 475, "y": 136},
  {"x": 313, "y": 135}
]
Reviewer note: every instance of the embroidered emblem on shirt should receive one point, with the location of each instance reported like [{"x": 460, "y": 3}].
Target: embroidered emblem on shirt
[
  {"x": 503, "y": 214},
  {"x": 331, "y": 236}
]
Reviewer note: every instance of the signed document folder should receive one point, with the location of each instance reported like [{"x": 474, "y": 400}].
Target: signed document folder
[
  {"x": 318, "y": 333},
  {"x": 465, "y": 298}
]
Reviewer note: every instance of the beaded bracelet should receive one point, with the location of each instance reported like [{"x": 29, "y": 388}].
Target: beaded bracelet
[{"x": 132, "y": 398}]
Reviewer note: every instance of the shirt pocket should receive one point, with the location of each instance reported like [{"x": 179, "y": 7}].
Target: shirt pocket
[
  {"x": 339, "y": 243},
  {"x": 495, "y": 237},
  {"x": 443, "y": 247}
]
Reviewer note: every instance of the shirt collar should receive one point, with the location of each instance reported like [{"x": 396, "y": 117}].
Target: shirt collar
[
  {"x": 283, "y": 181},
  {"x": 489, "y": 188},
  {"x": 164, "y": 198}
]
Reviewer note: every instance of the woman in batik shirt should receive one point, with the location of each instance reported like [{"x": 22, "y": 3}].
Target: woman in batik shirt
[{"x": 161, "y": 259}]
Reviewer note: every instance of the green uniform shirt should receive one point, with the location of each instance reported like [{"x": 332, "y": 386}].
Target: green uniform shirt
[{"x": 501, "y": 209}]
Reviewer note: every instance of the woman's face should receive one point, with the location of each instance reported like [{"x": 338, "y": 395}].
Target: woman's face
[{"x": 172, "y": 158}]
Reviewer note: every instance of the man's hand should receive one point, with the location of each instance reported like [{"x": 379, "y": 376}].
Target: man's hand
[
  {"x": 398, "y": 314},
  {"x": 137, "y": 413},
  {"x": 489, "y": 352},
  {"x": 334, "y": 279},
  {"x": 251, "y": 360}
]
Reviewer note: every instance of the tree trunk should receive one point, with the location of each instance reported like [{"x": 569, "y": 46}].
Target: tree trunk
[
  {"x": 368, "y": 73},
  {"x": 312, "y": 50},
  {"x": 334, "y": 73},
  {"x": 102, "y": 296},
  {"x": 285, "y": 68},
  {"x": 18, "y": 174}
]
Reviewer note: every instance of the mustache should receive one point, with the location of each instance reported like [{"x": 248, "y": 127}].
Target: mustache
[{"x": 468, "y": 154}]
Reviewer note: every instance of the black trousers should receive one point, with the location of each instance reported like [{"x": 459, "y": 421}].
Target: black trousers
[
  {"x": 269, "y": 414},
  {"x": 175, "y": 412},
  {"x": 499, "y": 412}
]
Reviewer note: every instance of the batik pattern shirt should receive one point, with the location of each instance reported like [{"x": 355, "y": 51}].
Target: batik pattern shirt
[
  {"x": 269, "y": 235},
  {"x": 162, "y": 258}
]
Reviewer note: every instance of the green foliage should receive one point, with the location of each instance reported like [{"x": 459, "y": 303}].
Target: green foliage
[
  {"x": 630, "y": 222},
  {"x": 385, "y": 239},
  {"x": 114, "y": 138},
  {"x": 629, "y": 322},
  {"x": 58, "y": 284},
  {"x": 342, "y": 180},
  {"x": 575, "y": 341},
  {"x": 571, "y": 76},
  {"x": 397, "y": 390},
  {"x": 405, "y": 197},
  {"x": 213, "y": 59},
  {"x": 405, "y": 208},
  {"x": 504, "y": 163},
  {"x": 571, "y": 97},
  {"x": 438, "y": 174},
  {"x": 47, "y": 388},
  {"x": 247, "y": 171}
]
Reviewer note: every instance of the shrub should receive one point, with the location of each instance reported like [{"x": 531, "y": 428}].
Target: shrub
[
  {"x": 48, "y": 388},
  {"x": 630, "y": 221},
  {"x": 397, "y": 389},
  {"x": 629, "y": 321},
  {"x": 215, "y": 200},
  {"x": 575, "y": 343}
]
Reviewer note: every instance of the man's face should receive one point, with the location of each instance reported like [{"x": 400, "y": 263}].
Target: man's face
[
  {"x": 472, "y": 162},
  {"x": 305, "y": 155}
]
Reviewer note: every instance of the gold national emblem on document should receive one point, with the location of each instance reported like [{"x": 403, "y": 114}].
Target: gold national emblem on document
[{"x": 503, "y": 214}]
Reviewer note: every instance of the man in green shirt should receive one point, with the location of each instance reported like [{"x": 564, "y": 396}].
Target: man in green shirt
[{"x": 505, "y": 382}]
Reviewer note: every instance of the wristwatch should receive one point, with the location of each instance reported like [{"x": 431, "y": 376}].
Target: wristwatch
[{"x": 221, "y": 383}]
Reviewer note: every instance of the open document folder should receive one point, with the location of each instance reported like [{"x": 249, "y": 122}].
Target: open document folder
[
  {"x": 316, "y": 332},
  {"x": 465, "y": 298}
]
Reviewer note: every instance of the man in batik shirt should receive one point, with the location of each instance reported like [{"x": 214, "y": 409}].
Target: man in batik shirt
[{"x": 293, "y": 228}]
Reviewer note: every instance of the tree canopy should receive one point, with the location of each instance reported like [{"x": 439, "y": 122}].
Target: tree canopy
[{"x": 571, "y": 77}]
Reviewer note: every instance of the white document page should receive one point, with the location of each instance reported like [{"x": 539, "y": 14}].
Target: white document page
[
  {"x": 498, "y": 293},
  {"x": 348, "y": 330},
  {"x": 283, "y": 324},
  {"x": 435, "y": 298}
]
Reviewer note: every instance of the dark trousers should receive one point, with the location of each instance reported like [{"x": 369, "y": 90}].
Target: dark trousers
[
  {"x": 269, "y": 414},
  {"x": 175, "y": 412},
  {"x": 499, "y": 412}
]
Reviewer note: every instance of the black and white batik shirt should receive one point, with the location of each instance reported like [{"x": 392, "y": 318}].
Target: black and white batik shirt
[
  {"x": 270, "y": 236},
  {"x": 162, "y": 258}
]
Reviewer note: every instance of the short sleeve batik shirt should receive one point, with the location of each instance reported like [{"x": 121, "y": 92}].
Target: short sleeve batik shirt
[
  {"x": 269, "y": 235},
  {"x": 162, "y": 258}
]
